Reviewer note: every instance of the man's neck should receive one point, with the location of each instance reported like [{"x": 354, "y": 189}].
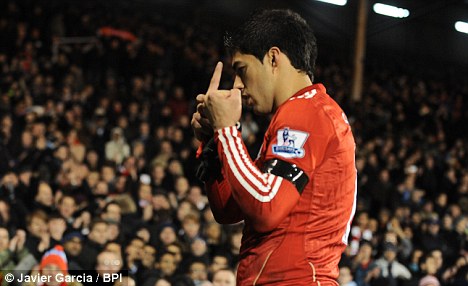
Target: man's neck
[{"x": 289, "y": 86}]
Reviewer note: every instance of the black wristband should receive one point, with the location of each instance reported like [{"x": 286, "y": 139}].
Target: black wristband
[
  {"x": 288, "y": 171},
  {"x": 209, "y": 167}
]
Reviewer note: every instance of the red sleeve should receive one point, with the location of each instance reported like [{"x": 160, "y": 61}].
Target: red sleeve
[
  {"x": 265, "y": 199},
  {"x": 225, "y": 209}
]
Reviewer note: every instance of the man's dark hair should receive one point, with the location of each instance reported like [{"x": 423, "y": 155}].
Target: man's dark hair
[{"x": 284, "y": 29}]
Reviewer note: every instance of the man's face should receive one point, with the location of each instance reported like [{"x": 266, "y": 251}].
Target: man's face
[
  {"x": 67, "y": 207},
  {"x": 4, "y": 239},
  {"x": 197, "y": 271},
  {"x": 99, "y": 233},
  {"x": 431, "y": 266},
  {"x": 37, "y": 227},
  {"x": 366, "y": 250},
  {"x": 149, "y": 253},
  {"x": 114, "y": 247},
  {"x": 135, "y": 249},
  {"x": 218, "y": 263},
  {"x": 167, "y": 264},
  {"x": 108, "y": 262},
  {"x": 224, "y": 278},
  {"x": 255, "y": 81},
  {"x": 191, "y": 227},
  {"x": 434, "y": 228},
  {"x": 51, "y": 271},
  {"x": 45, "y": 195},
  {"x": 438, "y": 258},
  {"x": 113, "y": 213},
  {"x": 389, "y": 255},
  {"x": 168, "y": 235},
  {"x": 107, "y": 174},
  {"x": 176, "y": 251},
  {"x": 73, "y": 246},
  {"x": 345, "y": 276}
]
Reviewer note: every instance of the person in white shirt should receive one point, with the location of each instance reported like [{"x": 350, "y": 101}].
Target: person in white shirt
[{"x": 390, "y": 269}]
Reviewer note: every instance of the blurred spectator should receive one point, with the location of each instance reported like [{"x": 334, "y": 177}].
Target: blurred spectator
[
  {"x": 219, "y": 261},
  {"x": 57, "y": 227},
  {"x": 149, "y": 256},
  {"x": 54, "y": 265},
  {"x": 95, "y": 243},
  {"x": 133, "y": 255},
  {"x": 360, "y": 231},
  {"x": 414, "y": 263},
  {"x": 117, "y": 148},
  {"x": 345, "y": 277},
  {"x": 177, "y": 250},
  {"x": 224, "y": 277},
  {"x": 391, "y": 271},
  {"x": 73, "y": 246},
  {"x": 167, "y": 235},
  {"x": 190, "y": 228},
  {"x": 108, "y": 262},
  {"x": 44, "y": 198},
  {"x": 196, "y": 196},
  {"x": 67, "y": 207},
  {"x": 166, "y": 265},
  {"x": 38, "y": 240},
  {"x": 112, "y": 212},
  {"x": 364, "y": 266},
  {"x": 198, "y": 272},
  {"x": 432, "y": 238},
  {"x": 429, "y": 269},
  {"x": 198, "y": 251},
  {"x": 215, "y": 239},
  {"x": 12, "y": 250}
]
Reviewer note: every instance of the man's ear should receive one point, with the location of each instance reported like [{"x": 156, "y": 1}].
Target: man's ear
[{"x": 273, "y": 57}]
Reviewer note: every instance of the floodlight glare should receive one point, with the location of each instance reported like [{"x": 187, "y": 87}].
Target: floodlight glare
[
  {"x": 392, "y": 11},
  {"x": 461, "y": 26},
  {"x": 335, "y": 2}
]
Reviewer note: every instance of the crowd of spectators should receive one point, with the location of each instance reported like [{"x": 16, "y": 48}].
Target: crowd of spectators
[{"x": 97, "y": 153}]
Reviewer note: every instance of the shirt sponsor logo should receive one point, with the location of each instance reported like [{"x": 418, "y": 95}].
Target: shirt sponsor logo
[{"x": 290, "y": 143}]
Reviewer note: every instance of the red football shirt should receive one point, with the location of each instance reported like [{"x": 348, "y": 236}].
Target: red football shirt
[{"x": 290, "y": 238}]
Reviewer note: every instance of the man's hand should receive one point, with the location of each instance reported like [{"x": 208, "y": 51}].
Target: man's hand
[
  {"x": 200, "y": 124},
  {"x": 12, "y": 244},
  {"x": 21, "y": 235},
  {"x": 44, "y": 243},
  {"x": 223, "y": 108}
]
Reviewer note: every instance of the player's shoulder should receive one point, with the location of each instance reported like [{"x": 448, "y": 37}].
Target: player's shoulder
[
  {"x": 311, "y": 105},
  {"x": 312, "y": 98},
  {"x": 313, "y": 110}
]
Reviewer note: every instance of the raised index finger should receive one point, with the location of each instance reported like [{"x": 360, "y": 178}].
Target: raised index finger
[{"x": 215, "y": 79}]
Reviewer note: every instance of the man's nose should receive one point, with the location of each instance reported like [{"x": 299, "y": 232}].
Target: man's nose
[{"x": 238, "y": 83}]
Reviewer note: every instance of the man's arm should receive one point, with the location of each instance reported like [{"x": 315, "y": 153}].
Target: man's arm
[
  {"x": 225, "y": 209},
  {"x": 264, "y": 198},
  {"x": 403, "y": 272}
]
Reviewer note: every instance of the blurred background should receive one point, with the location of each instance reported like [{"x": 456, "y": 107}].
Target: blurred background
[
  {"x": 428, "y": 31},
  {"x": 97, "y": 153}
]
